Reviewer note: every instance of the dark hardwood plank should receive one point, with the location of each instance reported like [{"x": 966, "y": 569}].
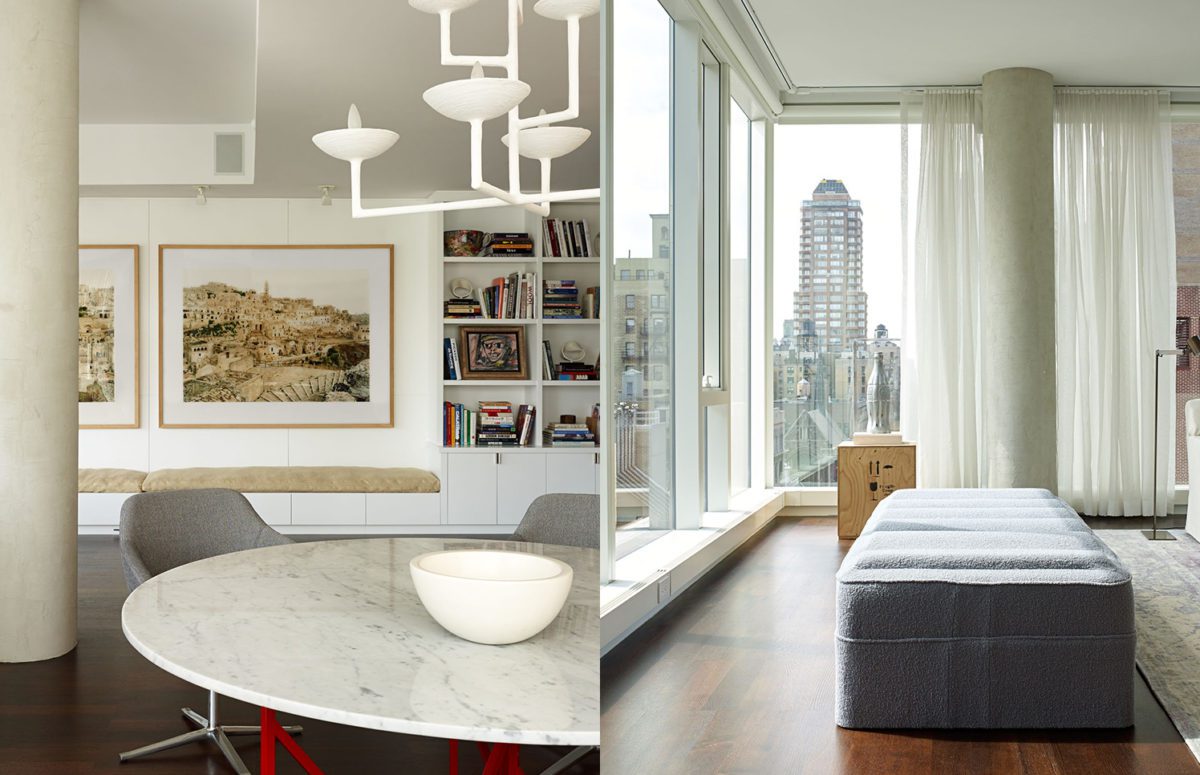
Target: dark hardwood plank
[
  {"x": 736, "y": 676},
  {"x": 74, "y": 714}
]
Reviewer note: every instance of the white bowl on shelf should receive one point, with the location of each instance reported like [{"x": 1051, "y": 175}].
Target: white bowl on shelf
[{"x": 491, "y": 597}]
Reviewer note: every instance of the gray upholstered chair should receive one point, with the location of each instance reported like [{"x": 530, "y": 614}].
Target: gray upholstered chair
[
  {"x": 163, "y": 530},
  {"x": 566, "y": 519}
]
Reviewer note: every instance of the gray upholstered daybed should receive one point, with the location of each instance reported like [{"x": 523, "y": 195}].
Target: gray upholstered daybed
[{"x": 986, "y": 609}]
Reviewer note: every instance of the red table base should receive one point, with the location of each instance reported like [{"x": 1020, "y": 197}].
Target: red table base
[
  {"x": 499, "y": 759},
  {"x": 272, "y": 732}
]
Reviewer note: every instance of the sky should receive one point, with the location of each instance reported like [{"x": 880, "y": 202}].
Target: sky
[
  {"x": 866, "y": 157},
  {"x": 642, "y": 122},
  {"x": 345, "y": 289}
]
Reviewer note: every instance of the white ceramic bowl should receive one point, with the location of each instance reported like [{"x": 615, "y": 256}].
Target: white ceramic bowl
[{"x": 491, "y": 597}]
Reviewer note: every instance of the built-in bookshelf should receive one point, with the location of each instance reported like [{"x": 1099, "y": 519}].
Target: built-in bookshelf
[{"x": 550, "y": 397}]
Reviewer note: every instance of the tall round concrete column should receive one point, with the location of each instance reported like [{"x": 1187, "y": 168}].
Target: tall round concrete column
[
  {"x": 1018, "y": 278},
  {"x": 39, "y": 351}
]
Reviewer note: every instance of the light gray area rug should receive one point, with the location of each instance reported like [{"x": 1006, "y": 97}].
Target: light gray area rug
[{"x": 1166, "y": 595}]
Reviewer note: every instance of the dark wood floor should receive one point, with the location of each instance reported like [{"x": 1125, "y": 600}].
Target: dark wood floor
[
  {"x": 736, "y": 676},
  {"x": 76, "y": 713}
]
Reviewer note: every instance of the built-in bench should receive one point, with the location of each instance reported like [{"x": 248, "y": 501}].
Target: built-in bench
[{"x": 305, "y": 497}]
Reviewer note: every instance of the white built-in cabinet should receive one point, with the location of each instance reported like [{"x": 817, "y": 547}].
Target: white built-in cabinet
[{"x": 494, "y": 486}]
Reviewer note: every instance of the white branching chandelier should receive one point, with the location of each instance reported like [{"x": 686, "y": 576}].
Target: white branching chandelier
[{"x": 478, "y": 99}]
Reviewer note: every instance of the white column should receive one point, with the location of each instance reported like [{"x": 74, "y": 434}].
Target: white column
[
  {"x": 1018, "y": 278},
  {"x": 39, "y": 280}
]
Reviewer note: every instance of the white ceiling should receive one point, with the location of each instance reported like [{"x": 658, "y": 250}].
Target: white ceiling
[
  {"x": 954, "y": 42},
  {"x": 182, "y": 61},
  {"x": 166, "y": 61}
]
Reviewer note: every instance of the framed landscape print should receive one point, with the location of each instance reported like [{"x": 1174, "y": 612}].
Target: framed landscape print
[
  {"x": 275, "y": 336},
  {"x": 108, "y": 336},
  {"x": 492, "y": 352}
]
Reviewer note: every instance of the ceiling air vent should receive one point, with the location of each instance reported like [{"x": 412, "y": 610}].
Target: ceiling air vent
[{"x": 227, "y": 153}]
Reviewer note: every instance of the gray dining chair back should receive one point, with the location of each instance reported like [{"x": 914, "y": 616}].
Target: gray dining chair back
[
  {"x": 163, "y": 530},
  {"x": 566, "y": 519}
]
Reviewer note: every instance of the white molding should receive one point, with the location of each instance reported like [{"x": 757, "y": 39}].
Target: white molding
[{"x": 722, "y": 36}]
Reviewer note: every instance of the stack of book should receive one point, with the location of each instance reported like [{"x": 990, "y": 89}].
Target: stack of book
[
  {"x": 508, "y": 243},
  {"x": 462, "y": 308},
  {"x": 451, "y": 366},
  {"x": 560, "y": 299},
  {"x": 570, "y": 371},
  {"x": 591, "y": 303},
  {"x": 497, "y": 425},
  {"x": 510, "y": 297},
  {"x": 559, "y": 434},
  {"x": 566, "y": 239}
]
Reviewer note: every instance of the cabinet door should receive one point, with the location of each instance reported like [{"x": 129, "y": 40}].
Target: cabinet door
[
  {"x": 573, "y": 472},
  {"x": 522, "y": 477},
  {"x": 471, "y": 489},
  {"x": 329, "y": 508}
]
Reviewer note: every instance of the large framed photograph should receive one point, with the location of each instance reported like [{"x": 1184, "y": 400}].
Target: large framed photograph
[
  {"x": 275, "y": 336},
  {"x": 493, "y": 352},
  {"x": 108, "y": 337}
]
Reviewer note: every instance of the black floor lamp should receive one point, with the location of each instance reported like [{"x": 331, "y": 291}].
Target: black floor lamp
[{"x": 1193, "y": 347}]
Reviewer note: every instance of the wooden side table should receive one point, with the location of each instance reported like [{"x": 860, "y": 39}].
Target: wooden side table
[{"x": 867, "y": 475}]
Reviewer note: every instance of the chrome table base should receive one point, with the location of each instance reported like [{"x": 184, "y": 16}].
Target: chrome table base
[{"x": 209, "y": 729}]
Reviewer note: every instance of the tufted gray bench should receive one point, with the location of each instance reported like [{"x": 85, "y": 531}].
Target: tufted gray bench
[{"x": 985, "y": 609}]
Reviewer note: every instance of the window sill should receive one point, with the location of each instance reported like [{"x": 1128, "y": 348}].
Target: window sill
[{"x": 648, "y": 578}]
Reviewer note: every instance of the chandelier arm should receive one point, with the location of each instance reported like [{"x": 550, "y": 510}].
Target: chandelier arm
[
  {"x": 514, "y": 115},
  {"x": 529, "y": 201},
  {"x": 572, "y": 110},
  {"x": 466, "y": 60}
]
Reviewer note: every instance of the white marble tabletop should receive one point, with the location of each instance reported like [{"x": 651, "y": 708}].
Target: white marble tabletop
[{"x": 334, "y": 630}]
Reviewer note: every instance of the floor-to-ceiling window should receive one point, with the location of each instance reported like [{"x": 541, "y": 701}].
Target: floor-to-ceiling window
[
  {"x": 741, "y": 308},
  {"x": 641, "y": 332},
  {"x": 837, "y": 283},
  {"x": 1185, "y": 147}
]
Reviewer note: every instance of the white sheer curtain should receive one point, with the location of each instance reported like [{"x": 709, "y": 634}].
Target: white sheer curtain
[
  {"x": 1115, "y": 246},
  {"x": 941, "y": 397}
]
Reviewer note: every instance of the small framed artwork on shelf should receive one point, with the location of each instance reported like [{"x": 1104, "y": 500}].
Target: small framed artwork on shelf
[
  {"x": 108, "y": 336},
  {"x": 493, "y": 352}
]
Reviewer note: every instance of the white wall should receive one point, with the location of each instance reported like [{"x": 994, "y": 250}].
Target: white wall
[{"x": 417, "y": 240}]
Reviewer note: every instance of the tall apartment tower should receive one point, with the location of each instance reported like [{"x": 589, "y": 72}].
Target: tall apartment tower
[{"x": 830, "y": 305}]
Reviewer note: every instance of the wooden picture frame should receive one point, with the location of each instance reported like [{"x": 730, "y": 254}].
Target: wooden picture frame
[
  {"x": 109, "y": 337},
  {"x": 493, "y": 352},
  {"x": 314, "y": 352}
]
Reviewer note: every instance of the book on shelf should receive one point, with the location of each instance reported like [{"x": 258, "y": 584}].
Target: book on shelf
[
  {"x": 590, "y": 305},
  {"x": 548, "y": 367},
  {"x": 558, "y": 434},
  {"x": 511, "y": 243},
  {"x": 566, "y": 238},
  {"x": 452, "y": 367},
  {"x": 560, "y": 299},
  {"x": 462, "y": 308},
  {"x": 569, "y": 371},
  {"x": 492, "y": 424},
  {"x": 511, "y": 297}
]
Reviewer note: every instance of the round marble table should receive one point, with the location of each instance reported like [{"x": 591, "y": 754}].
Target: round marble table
[{"x": 334, "y": 630}]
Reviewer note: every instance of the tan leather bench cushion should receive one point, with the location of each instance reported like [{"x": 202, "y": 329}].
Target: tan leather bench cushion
[
  {"x": 295, "y": 479},
  {"x": 110, "y": 480}
]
